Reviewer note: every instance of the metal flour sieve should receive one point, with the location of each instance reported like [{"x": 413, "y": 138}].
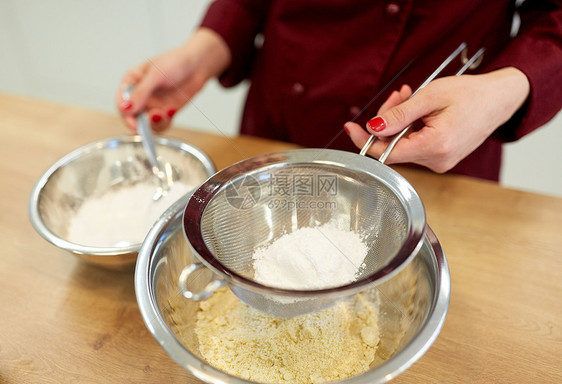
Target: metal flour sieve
[
  {"x": 256, "y": 201},
  {"x": 252, "y": 203}
]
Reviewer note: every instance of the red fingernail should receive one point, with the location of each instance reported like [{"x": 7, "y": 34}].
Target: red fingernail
[
  {"x": 156, "y": 118},
  {"x": 171, "y": 112},
  {"x": 376, "y": 124},
  {"x": 346, "y": 129},
  {"x": 125, "y": 105}
]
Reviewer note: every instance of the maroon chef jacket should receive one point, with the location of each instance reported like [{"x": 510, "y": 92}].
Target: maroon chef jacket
[{"x": 323, "y": 61}]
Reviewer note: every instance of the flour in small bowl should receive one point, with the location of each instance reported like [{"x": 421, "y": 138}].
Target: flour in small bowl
[
  {"x": 311, "y": 258},
  {"x": 122, "y": 215}
]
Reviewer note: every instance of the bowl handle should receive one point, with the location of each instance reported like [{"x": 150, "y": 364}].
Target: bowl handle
[{"x": 203, "y": 294}]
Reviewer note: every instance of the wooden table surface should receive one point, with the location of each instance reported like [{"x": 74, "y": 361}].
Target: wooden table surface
[{"x": 63, "y": 321}]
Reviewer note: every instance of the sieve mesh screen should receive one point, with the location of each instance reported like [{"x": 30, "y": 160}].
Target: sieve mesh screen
[
  {"x": 290, "y": 198},
  {"x": 253, "y": 203}
]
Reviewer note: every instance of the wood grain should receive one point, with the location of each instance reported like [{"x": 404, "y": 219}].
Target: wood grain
[{"x": 62, "y": 321}]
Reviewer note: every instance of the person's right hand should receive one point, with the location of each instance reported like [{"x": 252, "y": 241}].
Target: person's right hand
[
  {"x": 458, "y": 114},
  {"x": 166, "y": 83}
]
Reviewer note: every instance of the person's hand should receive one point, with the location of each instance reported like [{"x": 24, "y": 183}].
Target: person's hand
[
  {"x": 166, "y": 83},
  {"x": 458, "y": 114}
]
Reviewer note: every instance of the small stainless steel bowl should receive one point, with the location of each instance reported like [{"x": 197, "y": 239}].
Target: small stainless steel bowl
[
  {"x": 89, "y": 171},
  {"x": 412, "y": 309}
]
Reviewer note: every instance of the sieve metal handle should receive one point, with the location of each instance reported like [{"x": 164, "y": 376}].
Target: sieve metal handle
[
  {"x": 203, "y": 294},
  {"x": 467, "y": 63}
]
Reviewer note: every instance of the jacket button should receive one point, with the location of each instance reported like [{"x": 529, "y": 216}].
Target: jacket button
[
  {"x": 392, "y": 8},
  {"x": 298, "y": 89},
  {"x": 354, "y": 111}
]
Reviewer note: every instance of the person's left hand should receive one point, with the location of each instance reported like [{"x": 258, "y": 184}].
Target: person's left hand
[{"x": 458, "y": 114}]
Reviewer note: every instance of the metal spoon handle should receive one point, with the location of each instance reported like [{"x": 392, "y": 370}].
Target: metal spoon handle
[{"x": 145, "y": 131}]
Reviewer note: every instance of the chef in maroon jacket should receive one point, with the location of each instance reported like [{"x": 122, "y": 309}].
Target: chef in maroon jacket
[{"x": 316, "y": 65}]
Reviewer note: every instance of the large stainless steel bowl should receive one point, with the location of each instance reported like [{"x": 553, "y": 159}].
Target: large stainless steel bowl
[
  {"x": 413, "y": 304},
  {"x": 94, "y": 168}
]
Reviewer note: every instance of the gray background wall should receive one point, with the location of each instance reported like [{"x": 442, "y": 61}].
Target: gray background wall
[{"x": 77, "y": 51}]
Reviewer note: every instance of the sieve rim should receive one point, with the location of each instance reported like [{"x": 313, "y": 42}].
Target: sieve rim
[{"x": 202, "y": 196}]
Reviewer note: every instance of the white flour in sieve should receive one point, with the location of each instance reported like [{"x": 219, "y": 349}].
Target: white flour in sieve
[
  {"x": 311, "y": 258},
  {"x": 121, "y": 215}
]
